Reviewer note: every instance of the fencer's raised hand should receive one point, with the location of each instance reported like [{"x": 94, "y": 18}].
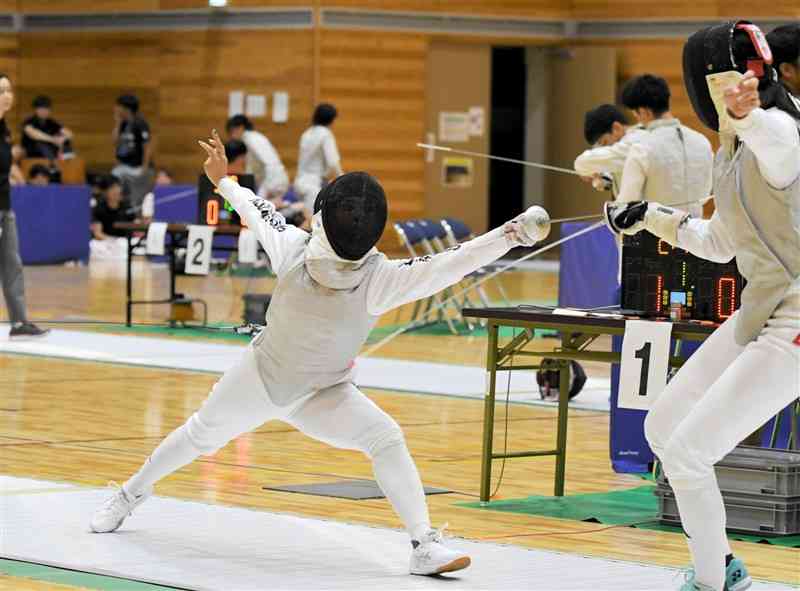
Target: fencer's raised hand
[
  {"x": 530, "y": 227},
  {"x": 743, "y": 98},
  {"x": 625, "y": 217},
  {"x": 216, "y": 165}
]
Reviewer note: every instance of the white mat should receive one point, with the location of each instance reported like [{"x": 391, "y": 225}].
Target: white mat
[
  {"x": 189, "y": 544},
  {"x": 373, "y": 372}
]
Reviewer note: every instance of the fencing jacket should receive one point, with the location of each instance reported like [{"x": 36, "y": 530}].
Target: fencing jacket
[
  {"x": 757, "y": 218},
  {"x": 324, "y": 307},
  {"x": 670, "y": 164},
  {"x": 265, "y": 164},
  {"x": 609, "y": 159}
]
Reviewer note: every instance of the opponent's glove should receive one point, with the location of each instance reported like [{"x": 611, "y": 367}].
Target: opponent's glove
[
  {"x": 603, "y": 182},
  {"x": 528, "y": 228},
  {"x": 634, "y": 216}
]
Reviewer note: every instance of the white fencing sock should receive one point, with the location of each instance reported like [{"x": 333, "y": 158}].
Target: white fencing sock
[
  {"x": 174, "y": 452},
  {"x": 399, "y": 480}
]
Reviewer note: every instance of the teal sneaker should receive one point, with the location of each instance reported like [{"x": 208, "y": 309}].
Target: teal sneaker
[{"x": 736, "y": 576}]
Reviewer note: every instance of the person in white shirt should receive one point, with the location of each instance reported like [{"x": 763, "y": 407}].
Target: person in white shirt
[
  {"x": 333, "y": 286},
  {"x": 319, "y": 156},
  {"x": 607, "y": 131},
  {"x": 748, "y": 370},
  {"x": 671, "y": 164},
  {"x": 263, "y": 161},
  {"x": 784, "y": 41}
]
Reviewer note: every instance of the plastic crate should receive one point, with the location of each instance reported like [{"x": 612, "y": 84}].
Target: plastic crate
[
  {"x": 746, "y": 514},
  {"x": 757, "y": 471}
]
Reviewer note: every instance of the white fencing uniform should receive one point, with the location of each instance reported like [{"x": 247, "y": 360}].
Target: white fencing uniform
[
  {"x": 749, "y": 368},
  {"x": 609, "y": 159},
  {"x": 300, "y": 369},
  {"x": 670, "y": 164},
  {"x": 264, "y": 163},
  {"x": 319, "y": 157}
]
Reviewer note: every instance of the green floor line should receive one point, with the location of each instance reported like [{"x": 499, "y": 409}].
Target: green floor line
[
  {"x": 622, "y": 507},
  {"x": 63, "y": 576}
]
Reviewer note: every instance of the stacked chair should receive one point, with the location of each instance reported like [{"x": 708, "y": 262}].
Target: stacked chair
[{"x": 427, "y": 237}]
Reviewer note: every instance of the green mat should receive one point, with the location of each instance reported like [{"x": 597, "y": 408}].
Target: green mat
[{"x": 635, "y": 506}]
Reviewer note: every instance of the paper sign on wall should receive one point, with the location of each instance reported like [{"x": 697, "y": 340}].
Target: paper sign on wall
[
  {"x": 453, "y": 127},
  {"x": 248, "y": 246},
  {"x": 280, "y": 107},
  {"x": 644, "y": 364},
  {"x": 198, "y": 249},
  {"x": 255, "y": 105},
  {"x": 457, "y": 172},
  {"x": 156, "y": 233},
  {"x": 476, "y": 121},
  {"x": 235, "y": 103}
]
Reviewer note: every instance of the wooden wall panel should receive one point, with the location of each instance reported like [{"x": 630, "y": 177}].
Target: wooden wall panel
[
  {"x": 198, "y": 69},
  {"x": 9, "y": 5},
  {"x": 527, "y": 8},
  {"x": 77, "y": 6},
  {"x": 84, "y": 78},
  {"x": 196, "y": 4},
  {"x": 377, "y": 82},
  {"x": 637, "y": 9}
]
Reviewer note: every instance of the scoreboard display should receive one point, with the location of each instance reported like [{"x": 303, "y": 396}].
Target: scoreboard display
[
  {"x": 213, "y": 209},
  {"x": 656, "y": 276}
]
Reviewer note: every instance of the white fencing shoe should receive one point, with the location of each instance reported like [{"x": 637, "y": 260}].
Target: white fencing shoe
[
  {"x": 110, "y": 515},
  {"x": 431, "y": 557}
]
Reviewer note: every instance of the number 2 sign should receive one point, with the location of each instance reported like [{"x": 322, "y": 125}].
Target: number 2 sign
[
  {"x": 198, "y": 250},
  {"x": 645, "y": 360}
]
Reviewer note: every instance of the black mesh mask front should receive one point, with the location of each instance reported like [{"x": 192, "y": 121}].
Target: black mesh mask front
[{"x": 353, "y": 213}]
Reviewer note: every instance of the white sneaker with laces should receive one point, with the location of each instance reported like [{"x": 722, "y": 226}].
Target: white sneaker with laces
[
  {"x": 110, "y": 515},
  {"x": 432, "y": 557}
]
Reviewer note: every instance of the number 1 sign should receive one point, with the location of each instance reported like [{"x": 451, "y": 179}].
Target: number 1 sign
[{"x": 645, "y": 361}]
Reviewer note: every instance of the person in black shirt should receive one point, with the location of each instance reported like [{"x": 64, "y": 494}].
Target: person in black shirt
[
  {"x": 10, "y": 262},
  {"x": 110, "y": 208},
  {"x": 131, "y": 136},
  {"x": 43, "y": 136}
]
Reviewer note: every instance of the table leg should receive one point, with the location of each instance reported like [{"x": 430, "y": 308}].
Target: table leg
[
  {"x": 129, "y": 283},
  {"x": 488, "y": 414},
  {"x": 561, "y": 437}
]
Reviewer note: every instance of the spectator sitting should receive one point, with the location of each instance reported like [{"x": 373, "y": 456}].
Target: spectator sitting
[
  {"x": 39, "y": 176},
  {"x": 15, "y": 176},
  {"x": 164, "y": 177},
  {"x": 109, "y": 209},
  {"x": 263, "y": 161},
  {"x": 43, "y": 136}
]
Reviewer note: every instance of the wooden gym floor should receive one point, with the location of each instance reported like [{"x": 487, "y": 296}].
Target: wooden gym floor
[{"x": 88, "y": 423}]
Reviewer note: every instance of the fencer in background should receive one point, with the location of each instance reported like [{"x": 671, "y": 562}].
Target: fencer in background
[
  {"x": 671, "y": 163},
  {"x": 319, "y": 156},
  {"x": 333, "y": 286},
  {"x": 261, "y": 158},
  {"x": 784, "y": 42},
  {"x": 610, "y": 136},
  {"x": 715, "y": 400}
]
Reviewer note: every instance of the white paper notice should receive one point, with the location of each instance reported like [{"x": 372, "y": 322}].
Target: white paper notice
[
  {"x": 235, "y": 103},
  {"x": 476, "y": 121},
  {"x": 453, "y": 127},
  {"x": 248, "y": 246},
  {"x": 255, "y": 105},
  {"x": 156, "y": 234},
  {"x": 198, "y": 250},
  {"x": 280, "y": 107},
  {"x": 645, "y": 360}
]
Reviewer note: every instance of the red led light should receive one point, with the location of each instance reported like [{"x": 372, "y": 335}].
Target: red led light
[{"x": 727, "y": 311}]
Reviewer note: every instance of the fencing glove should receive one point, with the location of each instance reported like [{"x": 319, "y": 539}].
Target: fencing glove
[{"x": 634, "y": 216}]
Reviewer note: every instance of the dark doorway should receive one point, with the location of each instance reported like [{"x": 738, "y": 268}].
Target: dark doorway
[{"x": 506, "y": 180}]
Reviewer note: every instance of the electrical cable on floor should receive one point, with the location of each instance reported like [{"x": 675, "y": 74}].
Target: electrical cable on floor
[
  {"x": 573, "y": 532},
  {"x": 505, "y": 435}
]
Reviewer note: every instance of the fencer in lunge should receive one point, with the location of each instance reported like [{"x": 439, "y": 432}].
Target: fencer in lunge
[
  {"x": 749, "y": 368},
  {"x": 333, "y": 285}
]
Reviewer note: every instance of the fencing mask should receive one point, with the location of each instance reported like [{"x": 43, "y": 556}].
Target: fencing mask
[
  {"x": 716, "y": 57},
  {"x": 353, "y": 213}
]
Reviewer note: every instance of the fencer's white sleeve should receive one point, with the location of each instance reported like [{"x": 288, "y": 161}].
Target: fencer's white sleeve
[
  {"x": 275, "y": 235},
  {"x": 707, "y": 239},
  {"x": 773, "y": 138},
  {"x": 634, "y": 174},
  {"x": 603, "y": 159},
  {"x": 397, "y": 282},
  {"x": 331, "y": 153}
]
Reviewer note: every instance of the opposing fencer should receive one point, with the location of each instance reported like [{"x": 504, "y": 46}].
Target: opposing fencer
[
  {"x": 749, "y": 368},
  {"x": 333, "y": 285}
]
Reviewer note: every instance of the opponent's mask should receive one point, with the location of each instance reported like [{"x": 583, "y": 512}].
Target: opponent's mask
[
  {"x": 353, "y": 213},
  {"x": 716, "y": 58}
]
